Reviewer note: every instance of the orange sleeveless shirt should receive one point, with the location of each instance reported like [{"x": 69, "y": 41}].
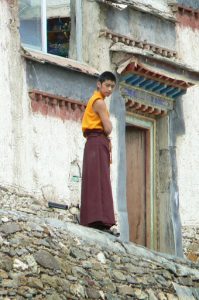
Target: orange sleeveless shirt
[{"x": 91, "y": 119}]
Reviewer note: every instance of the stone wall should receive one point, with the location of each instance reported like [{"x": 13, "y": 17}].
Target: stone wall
[
  {"x": 191, "y": 242},
  {"x": 46, "y": 256}
]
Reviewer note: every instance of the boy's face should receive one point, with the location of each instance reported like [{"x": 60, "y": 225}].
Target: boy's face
[{"x": 106, "y": 88}]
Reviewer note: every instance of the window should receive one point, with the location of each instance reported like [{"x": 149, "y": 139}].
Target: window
[
  {"x": 30, "y": 23},
  {"x": 45, "y": 25}
]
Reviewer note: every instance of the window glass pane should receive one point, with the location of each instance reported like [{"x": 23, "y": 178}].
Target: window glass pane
[
  {"x": 30, "y": 23},
  {"x": 58, "y": 27}
]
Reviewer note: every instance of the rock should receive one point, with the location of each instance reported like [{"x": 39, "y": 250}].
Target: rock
[
  {"x": 31, "y": 263},
  {"x": 132, "y": 280},
  {"x": 33, "y": 226},
  {"x": 64, "y": 284},
  {"x": 93, "y": 293},
  {"x": 151, "y": 295},
  {"x": 140, "y": 294},
  {"x": 101, "y": 257},
  {"x": 18, "y": 264},
  {"x": 117, "y": 275},
  {"x": 4, "y": 219},
  {"x": 112, "y": 297},
  {"x": 78, "y": 270},
  {"x": 21, "y": 280},
  {"x": 10, "y": 228},
  {"x": 54, "y": 296},
  {"x": 86, "y": 265},
  {"x": 6, "y": 263},
  {"x": 97, "y": 275},
  {"x": 116, "y": 259},
  {"x": 46, "y": 260},
  {"x": 171, "y": 297},
  {"x": 77, "y": 253},
  {"x": 3, "y": 274},
  {"x": 126, "y": 290},
  {"x": 161, "y": 296},
  {"x": 49, "y": 280},
  {"x": 71, "y": 278},
  {"x": 1, "y": 240},
  {"x": 78, "y": 290},
  {"x": 8, "y": 283},
  {"x": 108, "y": 285},
  {"x": 35, "y": 283}
]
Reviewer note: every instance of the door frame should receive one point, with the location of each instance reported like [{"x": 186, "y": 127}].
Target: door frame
[{"x": 150, "y": 125}]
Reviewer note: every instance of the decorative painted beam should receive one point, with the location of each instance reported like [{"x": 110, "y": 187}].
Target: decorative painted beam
[
  {"x": 134, "y": 106},
  {"x": 172, "y": 92},
  {"x": 137, "y": 69},
  {"x": 132, "y": 80},
  {"x": 178, "y": 93},
  {"x": 166, "y": 90},
  {"x": 145, "y": 83},
  {"x": 158, "y": 88},
  {"x": 153, "y": 85},
  {"x": 56, "y": 106}
]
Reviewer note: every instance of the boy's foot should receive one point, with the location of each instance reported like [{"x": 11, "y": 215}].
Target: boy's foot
[{"x": 112, "y": 231}]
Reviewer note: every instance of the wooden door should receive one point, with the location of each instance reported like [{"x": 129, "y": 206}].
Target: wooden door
[{"x": 137, "y": 165}]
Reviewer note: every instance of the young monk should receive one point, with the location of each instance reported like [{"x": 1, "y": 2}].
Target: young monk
[{"x": 96, "y": 196}]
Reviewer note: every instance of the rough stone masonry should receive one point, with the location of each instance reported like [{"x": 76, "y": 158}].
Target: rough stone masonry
[{"x": 45, "y": 254}]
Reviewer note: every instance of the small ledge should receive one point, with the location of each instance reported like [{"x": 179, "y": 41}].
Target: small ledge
[
  {"x": 115, "y": 37},
  {"x": 56, "y": 106},
  {"x": 63, "y": 62}
]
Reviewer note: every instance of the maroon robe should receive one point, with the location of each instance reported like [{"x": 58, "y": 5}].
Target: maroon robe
[{"x": 96, "y": 195}]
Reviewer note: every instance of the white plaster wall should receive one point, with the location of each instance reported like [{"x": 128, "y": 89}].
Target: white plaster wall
[
  {"x": 57, "y": 153},
  {"x": 187, "y": 46},
  {"x": 57, "y": 8},
  {"x": 188, "y": 160},
  {"x": 188, "y": 144},
  {"x": 5, "y": 104},
  {"x": 13, "y": 102},
  {"x": 95, "y": 49}
]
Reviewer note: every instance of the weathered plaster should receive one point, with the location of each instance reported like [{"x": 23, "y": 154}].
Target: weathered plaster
[
  {"x": 187, "y": 158},
  {"x": 14, "y": 107},
  {"x": 187, "y": 112},
  {"x": 187, "y": 39},
  {"x": 95, "y": 50},
  {"x": 136, "y": 24}
]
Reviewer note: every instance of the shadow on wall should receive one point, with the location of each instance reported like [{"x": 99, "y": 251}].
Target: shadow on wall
[{"x": 177, "y": 121}]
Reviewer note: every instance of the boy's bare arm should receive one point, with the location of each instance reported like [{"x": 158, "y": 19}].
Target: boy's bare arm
[{"x": 100, "y": 108}]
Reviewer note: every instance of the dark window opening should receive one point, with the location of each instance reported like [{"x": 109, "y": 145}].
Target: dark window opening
[{"x": 58, "y": 36}]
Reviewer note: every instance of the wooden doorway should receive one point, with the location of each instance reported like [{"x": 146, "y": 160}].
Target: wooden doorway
[{"x": 138, "y": 183}]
